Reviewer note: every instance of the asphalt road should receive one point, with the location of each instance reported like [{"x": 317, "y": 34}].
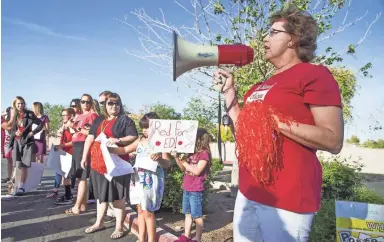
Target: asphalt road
[{"x": 32, "y": 217}]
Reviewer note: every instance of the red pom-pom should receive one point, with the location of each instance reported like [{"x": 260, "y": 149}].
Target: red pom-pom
[
  {"x": 259, "y": 141},
  {"x": 97, "y": 160}
]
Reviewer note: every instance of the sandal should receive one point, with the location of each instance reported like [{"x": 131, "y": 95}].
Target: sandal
[
  {"x": 69, "y": 211},
  {"x": 117, "y": 235},
  {"x": 91, "y": 229},
  {"x": 52, "y": 194}
]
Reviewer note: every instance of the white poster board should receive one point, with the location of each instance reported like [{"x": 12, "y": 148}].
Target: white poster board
[
  {"x": 115, "y": 165},
  {"x": 357, "y": 221},
  {"x": 34, "y": 174},
  {"x": 146, "y": 163},
  {"x": 168, "y": 135},
  {"x": 59, "y": 161}
]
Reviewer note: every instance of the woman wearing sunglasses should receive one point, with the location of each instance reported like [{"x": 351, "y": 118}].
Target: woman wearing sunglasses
[
  {"x": 120, "y": 130},
  {"x": 80, "y": 125}
]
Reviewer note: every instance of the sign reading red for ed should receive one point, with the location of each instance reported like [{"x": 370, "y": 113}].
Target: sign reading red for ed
[{"x": 167, "y": 135}]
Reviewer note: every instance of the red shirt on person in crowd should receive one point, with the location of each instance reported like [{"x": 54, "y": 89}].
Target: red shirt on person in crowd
[
  {"x": 298, "y": 185},
  {"x": 80, "y": 121},
  {"x": 66, "y": 137}
]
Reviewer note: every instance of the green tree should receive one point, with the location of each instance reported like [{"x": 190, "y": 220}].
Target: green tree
[
  {"x": 54, "y": 113},
  {"x": 162, "y": 110},
  {"x": 204, "y": 113},
  {"x": 247, "y": 21}
]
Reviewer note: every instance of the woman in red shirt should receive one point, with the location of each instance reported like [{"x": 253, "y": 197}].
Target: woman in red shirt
[
  {"x": 282, "y": 124},
  {"x": 80, "y": 125}
]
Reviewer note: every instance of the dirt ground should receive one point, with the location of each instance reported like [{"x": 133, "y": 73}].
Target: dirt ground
[{"x": 218, "y": 216}]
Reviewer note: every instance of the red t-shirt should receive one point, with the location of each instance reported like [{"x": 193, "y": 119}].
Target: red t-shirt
[
  {"x": 66, "y": 138},
  {"x": 192, "y": 183},
  {"x": 298, "y": 185},
  {"x": 80, "y": 121},
  {"x": 2, "y": 136}
]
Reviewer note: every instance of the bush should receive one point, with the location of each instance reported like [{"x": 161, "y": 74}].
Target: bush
[
  {"x": 340, "y": 177},
  {"x": 342, "y": 181},
  {"x": 173, "y": 192},
  {"x": 379, "y": 144},
  {"x": 353, "y": 140},
  {"x": 216, "y": 166}
]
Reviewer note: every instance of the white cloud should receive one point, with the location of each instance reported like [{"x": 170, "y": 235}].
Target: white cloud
[{"x": 41, "y": 29}]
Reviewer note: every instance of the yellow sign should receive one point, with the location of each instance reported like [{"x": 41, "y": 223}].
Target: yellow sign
[{"x": 359, "y": 222}]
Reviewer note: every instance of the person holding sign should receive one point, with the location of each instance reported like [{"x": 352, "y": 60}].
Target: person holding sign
[
  {"x": 120, "y": 130},
  {"x": 22, "y": 140},
  {"x": 283, "y": 122},
  {"x": 66, "y": 145},
  {"x": 149, "y": 185},
  {"x": 195, "y": 168}
]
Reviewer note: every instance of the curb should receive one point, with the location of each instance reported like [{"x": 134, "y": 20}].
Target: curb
[{"x": 131, "y": 223}]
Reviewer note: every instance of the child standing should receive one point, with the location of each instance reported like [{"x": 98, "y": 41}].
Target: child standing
[
  {"x": 195, "y": 168},
  {"x": 150, "y": 185}
]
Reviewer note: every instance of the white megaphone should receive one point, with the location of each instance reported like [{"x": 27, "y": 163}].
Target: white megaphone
[{"x": 187, "y": 56}]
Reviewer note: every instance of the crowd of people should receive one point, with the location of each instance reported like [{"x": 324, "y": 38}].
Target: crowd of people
[
  {"x": 25, "y": 141},
  {"x": 282, "y": 123}
]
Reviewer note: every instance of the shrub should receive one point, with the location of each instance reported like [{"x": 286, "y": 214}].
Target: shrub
[
  {"x": 216, "y": 166},
  {"x": 173, "y": 192},
  {"x": 353, "y": 140},
  {"x": 379, "y": 144},
  {"x": 324, "y": 223},
  {"x": 340, "y": 177}
]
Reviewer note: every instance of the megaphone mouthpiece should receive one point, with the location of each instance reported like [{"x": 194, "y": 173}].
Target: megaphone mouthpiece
[{"x": 237, "y": 54}]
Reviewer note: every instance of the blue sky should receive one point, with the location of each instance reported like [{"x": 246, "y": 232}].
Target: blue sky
[{"x": 53, "y": 51}]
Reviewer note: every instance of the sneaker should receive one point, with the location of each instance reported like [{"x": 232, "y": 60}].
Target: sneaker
[{"x": 62, "y": 200}]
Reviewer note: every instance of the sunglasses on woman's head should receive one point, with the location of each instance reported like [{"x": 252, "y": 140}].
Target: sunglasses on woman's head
[
  {"x": 113, "y": 103},
  {"x": 85, "y": 101}
]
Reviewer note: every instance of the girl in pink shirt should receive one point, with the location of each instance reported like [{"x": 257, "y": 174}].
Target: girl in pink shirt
[{"x": 195, "y": 169}]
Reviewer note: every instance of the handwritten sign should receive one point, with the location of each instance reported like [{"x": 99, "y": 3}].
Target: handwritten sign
[
  {"x": 359, "y": 222},
  {"x": 168, "y": 135}
]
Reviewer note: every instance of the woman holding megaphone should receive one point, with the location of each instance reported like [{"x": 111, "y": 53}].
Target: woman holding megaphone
[{"x": 283, "y": 122}]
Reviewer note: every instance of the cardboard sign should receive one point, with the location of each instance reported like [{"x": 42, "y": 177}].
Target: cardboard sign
[
  {"x": 34, "y": 174},
  {"x": 359, "y": 222},
  {"x": 168, "y": 135},
  {"x": 59, "y": 161}
]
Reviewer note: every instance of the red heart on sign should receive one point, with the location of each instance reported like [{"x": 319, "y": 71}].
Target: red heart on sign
[
  {"x": 158, "y": 143},
  {"x": 180, "y": 142}
]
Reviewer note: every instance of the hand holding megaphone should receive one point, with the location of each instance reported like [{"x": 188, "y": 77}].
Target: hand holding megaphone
[{"x": 223, "y": 80}]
